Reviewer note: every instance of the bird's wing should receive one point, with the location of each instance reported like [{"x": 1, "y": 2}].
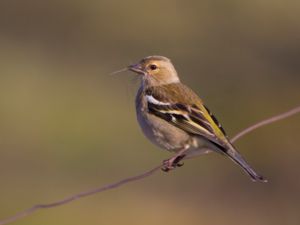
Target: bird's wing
[
  {"x": 186, "y": 112},
  {"x": 181, "y": 107}
]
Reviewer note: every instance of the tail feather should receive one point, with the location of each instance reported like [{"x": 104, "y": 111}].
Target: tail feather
[{"x": 235, "y": 156}]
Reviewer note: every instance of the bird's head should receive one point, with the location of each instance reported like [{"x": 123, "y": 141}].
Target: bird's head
[{"x": 156, "y": 70}]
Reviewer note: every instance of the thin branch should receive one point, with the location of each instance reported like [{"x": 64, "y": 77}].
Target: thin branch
[
  {"x": 266, "y": 122},
  {"x": 148, "y": 173},
  {"x": 72, "y": 198}
]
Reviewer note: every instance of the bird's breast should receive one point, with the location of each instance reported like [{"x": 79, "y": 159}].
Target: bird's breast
[{"x": 157, "y": 130}]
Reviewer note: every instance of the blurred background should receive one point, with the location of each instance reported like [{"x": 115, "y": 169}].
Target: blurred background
[{"x": 66, "y": 125}]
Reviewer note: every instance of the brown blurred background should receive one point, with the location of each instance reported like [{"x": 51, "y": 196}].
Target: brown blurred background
[{"x": 67, "y": 126}]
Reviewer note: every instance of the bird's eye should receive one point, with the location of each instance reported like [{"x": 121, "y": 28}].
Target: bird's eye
[{"x": 153, "y": 67}]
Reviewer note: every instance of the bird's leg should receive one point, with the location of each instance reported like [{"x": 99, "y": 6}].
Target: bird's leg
[{"x": 174, "y": 162}]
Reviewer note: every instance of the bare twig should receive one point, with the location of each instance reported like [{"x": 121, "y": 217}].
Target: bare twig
[
  {"x": 266, "y": 122},
  {"x": 72, "y": 198},
  {"x": 79, "y": 195}
]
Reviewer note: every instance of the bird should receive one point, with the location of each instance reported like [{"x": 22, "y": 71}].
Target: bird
[{"x": 173, "y": 117}]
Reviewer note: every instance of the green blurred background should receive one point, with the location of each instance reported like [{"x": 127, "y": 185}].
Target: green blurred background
[{"x": 66, "y": 125}]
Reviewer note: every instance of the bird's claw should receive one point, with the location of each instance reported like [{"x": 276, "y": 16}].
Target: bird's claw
[
  {"x": 172, "y": 163},
  {"x": 180, "y": 164}
]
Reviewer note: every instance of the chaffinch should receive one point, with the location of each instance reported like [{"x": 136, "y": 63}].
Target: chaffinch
[{"x": 173, "y": 117}]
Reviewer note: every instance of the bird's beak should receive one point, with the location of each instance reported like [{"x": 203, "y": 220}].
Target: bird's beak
[{"x": 137, "y": 68}]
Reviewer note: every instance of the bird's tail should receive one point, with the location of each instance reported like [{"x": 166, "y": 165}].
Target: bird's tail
[{"x": 235, "y": 156}]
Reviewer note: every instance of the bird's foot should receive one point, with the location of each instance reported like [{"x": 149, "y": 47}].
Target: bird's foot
[{"x": 172, "y": 163}]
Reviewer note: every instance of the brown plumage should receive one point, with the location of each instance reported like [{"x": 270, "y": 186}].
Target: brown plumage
[{"x": 173, "y": 117}]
